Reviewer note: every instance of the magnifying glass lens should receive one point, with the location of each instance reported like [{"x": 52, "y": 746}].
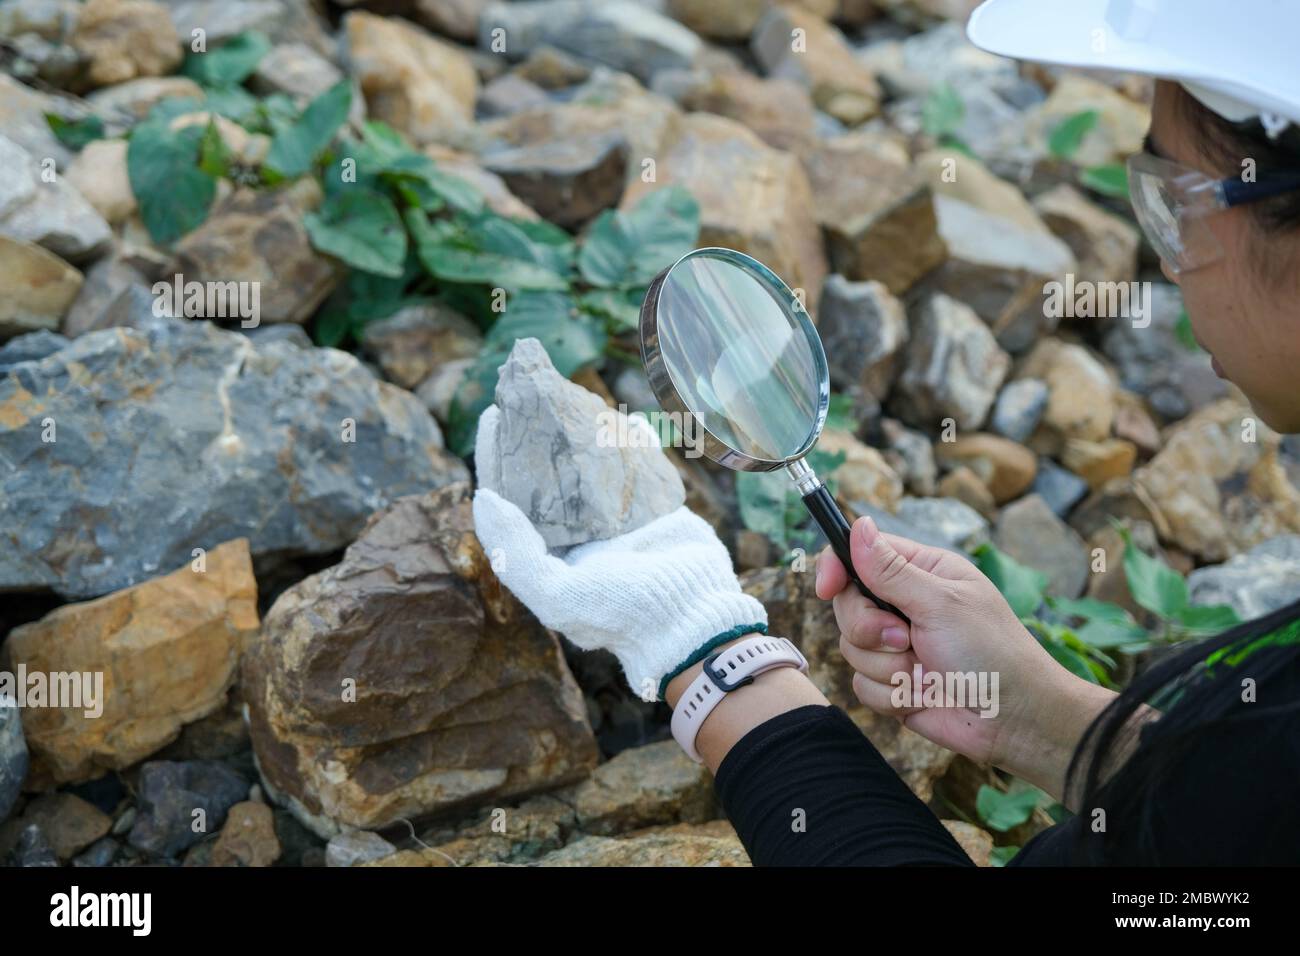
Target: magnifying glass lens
[{"x": 739, "y": 356}]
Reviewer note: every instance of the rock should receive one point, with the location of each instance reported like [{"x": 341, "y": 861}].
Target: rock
[
  {"x": 296, "y": 70},
  {"x": 248, "y": 837},
  {"x": 510, "y": 93},
  {"x": 45, "y": 209},
  {"x": 133, "y": 638},
  {"x": 1006, "y": 468},
  {"x": 100, "y": 853},
  {"x": 956, "y": 524},
  {"x": 134, "y": 99},
  {"x": 1118, "y": 500},
  {"x": 354, "y": 847},
  {"x": 418, "y": 339},
  {"x": 1254, "y": 582},
  {"x": 36, "y": 288},
  {"x": 182, "y": 803},
  {"x": 795, "y": 612},
  {"x": 878, "y": 214},
  {"x": 720, "y": 19},
  {"x": 1060, "y": 489},
  {"x": 936, "y": 57},
  {"x": 125, "y": 39},
  {"x": 779, "y": 111},
  {"x": 99, "y": 173},
  {"x": 1097, "y": 462},
  {"x": 13, "y": 756},
  {"x": 1156, "y": 363},
  {"x": 797, "y": 45},
  {"x": 965, "y": 178},
  {"x": 999, "y": 270},
  {"x": 1119, "y": 130},
  {"x": 454, "y": 18},
  {"x": 281, "y": 20},
  {"x": 552, "y": 69},
  {"x": 550, "y": 444},
  {"x": 496, "y": 835},
  {"x": 953, "y": 366},
  {"x": 32, "y": 849},
  {"x": 240, "y": 441},
  {"x": 496, "y": 194},
  {"x": 965, "y": 486},
  {"x": 30, "y": 347},
  {"x": 1080, "y": 392},
  {"x": 1133, "y": 422},
  {"x": 753, "y": 550},
  {"x": 1215, "y": 492},
  {"x": 1019, "y": 409},
  {"x": 977, "y": 843},
  {"x": 414, "y": 82},
  {"x": 753, "y": 198},
  {"x": 641, "y": 787},
  {"x": 259, "y": 237},
  {"x": 113, "y": 294},
  {"x": 1105, "y": 245},
  {"x": 863, "y": 329},
  {"x": 661, "y": 847},
  {"x": 910, "y": 455},
  {"x": 1107, "y": 580},
  {"x": 69, "y": 823},
  {"x": 566, "y": 181},
  {"x": 439, "y": 389},
  {"x": 864, "y": 476},
  {"x": 477, "y": 706},
  {"x": 1032, "y": 534},
  {"x": 626, "y": 35}
]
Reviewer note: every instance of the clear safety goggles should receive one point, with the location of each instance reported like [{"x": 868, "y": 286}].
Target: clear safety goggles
[{"x": 1173, "y": 203}]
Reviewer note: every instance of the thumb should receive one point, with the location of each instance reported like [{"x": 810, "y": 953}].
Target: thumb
[
  {"x": 514, "y": 547},
  {"x": 887, "y": 571}
]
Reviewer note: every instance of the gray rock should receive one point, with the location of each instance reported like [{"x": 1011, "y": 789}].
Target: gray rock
[
  {"x": 943, "y": 525},
  {"x": 623, "y": 34},
  {"x": 171, "y": 793},
  {"x": 281, "y": 20},
  {"x": 1059, "y": 487},
  {"x": 99, "y": 853},
  {"x": 1153, "y": 362},
  {"x": 13, "y": 756},
  {"x": 51, "y": 214},
  {"x": 510, "y": 93},
  {"x": 357, "y": 846},
  {"x": 566, "y": 180},
  {"x": 22, "y": 117},
  {"x": 863, "y": 328},
  {"x": 181, "y": 435},
  {"x": 953, "y": 367},
  {"x": 114, "y": 294},
  {"x": 632, "y": 388},
  {"x": 31, "y": 347},
  {"x": 910, "y": 454},
  {"x": 1019, "y": 408},
  {"x": 294, "y": 335},
  {"x": 1261, "y": 580},
  {"x": 1030, "y": 532},
  {"x": 32, "y": 849},
  {"x": 554, "y": 459},
  {"x": 939, "y": 56},
  {"x": 295, "y": 69}
]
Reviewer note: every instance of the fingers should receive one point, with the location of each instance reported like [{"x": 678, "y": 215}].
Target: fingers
[
  {"x": 831, "y": 576},
  {"x": 485, "y": 455},
  {"x": 879, "y": 697},
  {"x": 879, "y": 666},
  {"x": 513, "y": 546},
  {"x": 883, "y": 564},
  {"x": 866, "y": 626}
]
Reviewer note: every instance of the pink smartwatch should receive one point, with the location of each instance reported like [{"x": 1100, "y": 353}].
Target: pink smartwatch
[{"x": 724, "y": 672}]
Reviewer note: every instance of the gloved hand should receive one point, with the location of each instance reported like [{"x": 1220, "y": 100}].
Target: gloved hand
[{"x": 660, "y": 597}]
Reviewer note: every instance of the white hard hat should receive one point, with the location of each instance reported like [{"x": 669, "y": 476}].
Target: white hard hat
[{"x": 1238, "y": 57}]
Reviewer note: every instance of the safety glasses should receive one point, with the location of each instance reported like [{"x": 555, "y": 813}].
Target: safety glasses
[{"x": 1173, "y": 203}]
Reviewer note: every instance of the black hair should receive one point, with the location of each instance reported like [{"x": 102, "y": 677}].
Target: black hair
[{"x": 1197, "y": 687}]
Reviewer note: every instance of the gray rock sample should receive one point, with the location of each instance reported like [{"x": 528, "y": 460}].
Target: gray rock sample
[
  {"x": 1261, "y": 580},
  {"x": 13, "y": 757},
  {"x": 179, "y": 435},
  {"x": 559, "y": 457}
]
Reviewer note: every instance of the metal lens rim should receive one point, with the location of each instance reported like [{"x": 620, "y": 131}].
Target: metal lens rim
[{"x": 666, "y": 391}]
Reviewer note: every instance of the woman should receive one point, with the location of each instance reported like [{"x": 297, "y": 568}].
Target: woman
[{"x": 1198, "y": 761}]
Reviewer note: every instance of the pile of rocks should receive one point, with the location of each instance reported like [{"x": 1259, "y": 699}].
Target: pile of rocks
[{"x": 266, "y": 552}]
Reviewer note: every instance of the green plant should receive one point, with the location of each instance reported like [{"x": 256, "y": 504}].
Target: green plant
[
  {"x": 1064, "y": 142},
  {"x": 1163, "y": 591},
  {"x": 1004, "y": 810},
  {"x": 770, "y": 504},
  {"x": 942, "y": 113}
]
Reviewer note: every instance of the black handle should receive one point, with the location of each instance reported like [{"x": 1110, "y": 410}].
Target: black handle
[{"x": 831, "y": 520}]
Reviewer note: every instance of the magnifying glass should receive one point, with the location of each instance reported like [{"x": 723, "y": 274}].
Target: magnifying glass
[{"x": 725, "y": 341}]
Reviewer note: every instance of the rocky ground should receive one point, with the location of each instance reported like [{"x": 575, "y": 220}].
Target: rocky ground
[{"x": 260, "y": 533}]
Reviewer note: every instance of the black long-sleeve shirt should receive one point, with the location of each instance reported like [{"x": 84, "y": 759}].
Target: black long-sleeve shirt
[{"x": 806, "y": 788}]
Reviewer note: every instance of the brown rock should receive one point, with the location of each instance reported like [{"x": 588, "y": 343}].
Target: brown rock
[
  {"x": 641, "y": 787},
  {"x": 405, "y": 680},
  {"x": 1217, "y": 488},
  {"x": 1006, "y": 468},
  {"x": 1118, "y": 499},
  {"x": 1106, "y": 579},
  {"x": 99, "y": 173},
  {"x": 864, "y": 476},
  {"x": 1133, "y": 422},
  {"x": 967, "y": 487},
  {"x": 68, "y": 822},
  {"x": 417, "y": 83},
  {"x": 36, "y": 287},
  {"x": 125, "y": 39},
  {"x": 720, "y": 19},
  {"x": 793, "y": 43},
  {"x": 414, "y": 341},
  {"x": 752, "y": 198},
  {"x": 666, "y": 847},
  {"x": 135, "y": 637},
  {"x": 1105, "y": 244},
  {"x": 258, "y": 236},
  {"x": 496, "y": 194},
  {"x": 779, "y": 111},
  {"x": 454, "y": 18},
  {"x": 1080, "y": 392},
  {"x": 753, "y": 550},
  {"x": 568, "y": 181},
  {"x": 136, "y": 98},
  {"x": 248, "y": 837},
  {"x": 977, "y": 843},
  {"x": 497, "y": 835},
  {"x": 1097, "y": 462}
]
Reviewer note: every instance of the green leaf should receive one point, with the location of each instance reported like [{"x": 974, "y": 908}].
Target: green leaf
[
  {"x": 214, "y": 157},
  {"x": 764, "y": 502},
  {"x": 1068, "y": 135},
  {"x": 229, "y": 64},
  {"x": 1023, "y": 587},
  {"x": 362, "y": 228},
  {"x": 75, "y": 134},
  {"x": 942, "y": 112},
  {"x": 233, "y": 102},
  {"x": 1002, "y": 855},
  {"x": 1104, "y": 624},
  {"x": 839, "y": 414},
  {"x": 1005, "y": 811},
  {"x": 1183, "y": 332},
  {"x": 487, "y": 253},
  {"x": 625, "y": 249},
  {"x": 1207, "y": 618},
  {"x": 1154, "y": 585},
  {"x": 173, "y": 193},
  {"x": 295, "y": 148},
  {"x": 621, "y": 310},
  {"x": 1109, "y": 179}
]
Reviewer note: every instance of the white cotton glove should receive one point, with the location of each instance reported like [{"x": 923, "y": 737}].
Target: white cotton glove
[{"x": 660, "y": 597}]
